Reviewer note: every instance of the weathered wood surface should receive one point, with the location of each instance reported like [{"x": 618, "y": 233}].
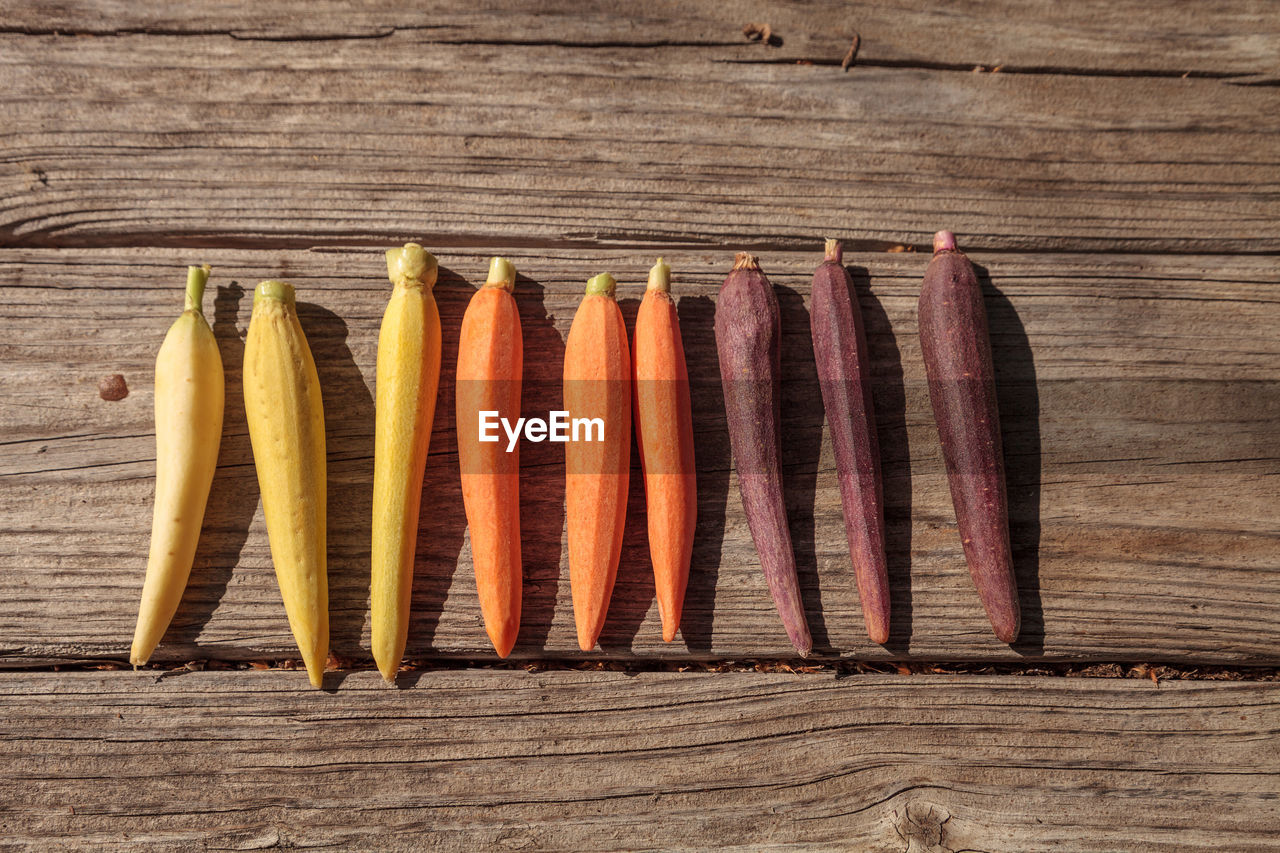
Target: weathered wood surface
[
  {"x": 1124, "y": 37},
  {"x": 1138, "y": 395},
  {"x": 593, "y": 761},
  {"x": 1139, "y": 405},
  {"x": 253, "y": 126}
]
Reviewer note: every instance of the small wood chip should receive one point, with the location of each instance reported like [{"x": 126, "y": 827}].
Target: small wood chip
[
  {"x": 852, "y": 54},
  {"x": 761, "y": 33},
  {"x": 113, "y": 388}
]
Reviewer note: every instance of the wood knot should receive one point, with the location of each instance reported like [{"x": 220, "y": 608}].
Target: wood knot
[{"x": 922, "y": 826}]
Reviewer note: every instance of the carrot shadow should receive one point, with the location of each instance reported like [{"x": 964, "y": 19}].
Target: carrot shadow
[
  {"x": 802, "y": 419},
  {"x": 889, "y": 396},
  {"x": 634, "y": 589},
  {"x": 442, "y": 518},
  {"x": 233, "y": 497},
  {"x": 348, "y": 429},
  {"x": 541, "y": 470},
  {"x": 1018, "y": 397},
  {"x": 713, "y": 462}
]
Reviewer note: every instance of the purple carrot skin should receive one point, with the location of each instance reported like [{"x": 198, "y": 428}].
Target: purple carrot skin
[
  {"x": 840, "y": 350},
  {"x": 748, "y": 340},
  {"x": 957, "y": 359}
]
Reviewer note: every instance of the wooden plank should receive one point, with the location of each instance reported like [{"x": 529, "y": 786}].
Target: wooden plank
[
  {"x": 597, "y": 761},
  {"x": 209, "y": 140},
  {"x": 1140, "y": 414},
  {"x": 1121, "y": 37}
]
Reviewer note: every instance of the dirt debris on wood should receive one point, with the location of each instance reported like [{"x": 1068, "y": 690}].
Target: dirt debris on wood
[
  {"x": 1144, "y": 671},
  {"x": 762, "y": 33},
  {"x": 113, "y": 388},
  {"x": 852, "y": 55}
]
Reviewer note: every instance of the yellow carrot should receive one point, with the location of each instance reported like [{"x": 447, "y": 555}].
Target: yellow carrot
[
  {"x": 286, "y": 428},
  {"x": 490, "y": 364},
  {"x": 188, "y": 405},
  {"x": 408, "y": 376}
]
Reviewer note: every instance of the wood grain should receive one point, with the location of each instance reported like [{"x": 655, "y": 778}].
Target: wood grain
[
  {"x": 593, "y": 761},
  {"x": 1122, "y": 37},
  {"x": 1138, "y": 398},
  {"x": 506, "y": 134}
]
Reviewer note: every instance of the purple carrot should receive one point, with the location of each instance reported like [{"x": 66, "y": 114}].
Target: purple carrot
[
  {"x": 748, "y": 339},
  {"x": 844, "y": 372},
  {"x": 957, "y": 360}
]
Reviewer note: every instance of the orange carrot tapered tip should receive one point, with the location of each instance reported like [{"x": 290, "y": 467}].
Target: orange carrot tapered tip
[
  {"x": 664, "y": 435},
  {"x": 490, "y": 368},
  {"x": 597, "y": 398}
]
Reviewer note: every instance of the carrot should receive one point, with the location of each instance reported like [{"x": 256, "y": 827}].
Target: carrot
[
  {"x": 188, "y": 407},
  {"x": 748, "y": 340},
  {"x": 597, "y": 386},
  {"x": 490, "y": 361},
  {"x": 664, "y": 435},
  {"x": 957, "y": 360},
  {"x": 285, "y": 414},
  {"x": 844, "y": 373},
  {"x": 408, "y": 374}
]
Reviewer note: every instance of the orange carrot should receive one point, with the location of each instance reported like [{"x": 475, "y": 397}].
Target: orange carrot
[
  {"x": 664, "y": 434},
  {"x": 490, "y": 361},
  {"x": 597, "y": 397}
]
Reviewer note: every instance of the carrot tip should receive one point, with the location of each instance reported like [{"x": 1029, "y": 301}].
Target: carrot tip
[
  {"x": 745, "y": 261},
  {"x": 944, "y": 241},
  {"x": 278, "y": 290},
  {"x": 833, "y": 251},
  {"x": 660, "y": 277},
  {"x": 197, "y": 277},
  {"x": 412, "y": 265},
  {"x": 1007, "y": 633},
  {"x": 502, "y": 273},
  {"x": 601, "y": 285}
]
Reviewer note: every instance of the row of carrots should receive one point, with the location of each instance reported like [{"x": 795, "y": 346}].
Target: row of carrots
[{"x": 604, "y": 379}]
